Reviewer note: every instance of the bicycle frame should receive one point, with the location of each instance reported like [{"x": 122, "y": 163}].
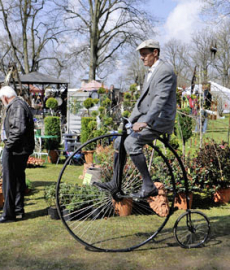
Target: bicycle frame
[
  {"x": 165, "y": 141},
  {"x": 81, "y": 228}
]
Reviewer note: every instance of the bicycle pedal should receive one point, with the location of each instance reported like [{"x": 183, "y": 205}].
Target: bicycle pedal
[
  {"x": 128, "y": 196},
  {"x": 121, "y": 196}
]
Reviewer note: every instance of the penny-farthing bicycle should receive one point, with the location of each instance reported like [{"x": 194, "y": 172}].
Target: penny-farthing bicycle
[{"x": 117, "y": 222}]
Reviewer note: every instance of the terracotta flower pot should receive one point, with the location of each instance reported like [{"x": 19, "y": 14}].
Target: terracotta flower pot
[
  {"x": 180, "y": 200},
  {"x": 88, "y": 156},
  {"x": 124, "y": 207},
  {"x": 53, "y": 154},
  {"x": 222, "y": 195},
  {"x": 159, "y": 203}
]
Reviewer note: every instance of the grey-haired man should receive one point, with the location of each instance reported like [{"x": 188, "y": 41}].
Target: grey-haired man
[
  {"x": 154, "y": 114},
  {"x": 18, "y": 137}
]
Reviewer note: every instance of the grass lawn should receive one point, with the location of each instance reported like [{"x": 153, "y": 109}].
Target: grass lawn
[
  {"x": 41, "y": 243},
  {"x": 218, "y": 130}
]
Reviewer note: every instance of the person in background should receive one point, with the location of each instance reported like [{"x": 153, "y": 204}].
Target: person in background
[
  {"x": 206, "y": 104},
  {"x": 18, "y": 137}
]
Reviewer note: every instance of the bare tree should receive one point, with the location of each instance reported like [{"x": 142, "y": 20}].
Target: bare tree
[
  {"x": 135, "y": 71},
  {"x": 31, "y": 28},
  {"x": 202, "y": 41},
  {"x": 217, "y": 8},
  {"x": 5, "y": 55},
  {"x": 222, "y": 62},
  {"x": 107, "y": 26},
  {"x": 178, "y": 55}
]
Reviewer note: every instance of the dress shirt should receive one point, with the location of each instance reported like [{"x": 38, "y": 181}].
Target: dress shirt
[{"x": 151, "y": 70}]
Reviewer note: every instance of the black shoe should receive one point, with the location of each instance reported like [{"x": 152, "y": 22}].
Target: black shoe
[
  {"x": 142, "y": 194},
  {"x": 106, "y": 186},
  {"x": 7, "y": 220}
]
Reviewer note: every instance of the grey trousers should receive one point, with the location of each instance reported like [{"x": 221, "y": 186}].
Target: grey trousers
[{"x": 135, "y": 141}]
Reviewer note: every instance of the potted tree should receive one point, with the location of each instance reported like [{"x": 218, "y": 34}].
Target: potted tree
[
  {"x": 88, "y": 128},
  {"x": 52, "y": 104},
  {"x": 50, "y": 198},
  {"x": 52, "y": 134},
  {"x": 89, "y": 103}
]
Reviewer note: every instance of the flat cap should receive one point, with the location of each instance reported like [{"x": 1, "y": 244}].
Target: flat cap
[{"x": 150, "y": 43}]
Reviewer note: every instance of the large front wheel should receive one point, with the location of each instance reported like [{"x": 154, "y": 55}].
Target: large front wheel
[{"x": 94, "y": 217}]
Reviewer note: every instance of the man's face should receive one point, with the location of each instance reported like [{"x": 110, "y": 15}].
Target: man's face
[
  {"x": 4, "y": 101},
  {"x": 148, "y": 57}
]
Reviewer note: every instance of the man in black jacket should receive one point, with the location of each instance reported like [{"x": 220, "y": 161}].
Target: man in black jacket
[{"x": 18, "y": 136}]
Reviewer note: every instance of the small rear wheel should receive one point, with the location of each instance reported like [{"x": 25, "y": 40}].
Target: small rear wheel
[{"x": 192, "y": 229}]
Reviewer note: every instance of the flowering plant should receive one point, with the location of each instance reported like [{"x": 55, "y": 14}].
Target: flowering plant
[
  {"x": 211, "y": 167},
  {"x": 34, "y": 162}
]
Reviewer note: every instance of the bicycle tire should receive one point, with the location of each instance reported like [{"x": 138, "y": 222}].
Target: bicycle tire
[
  {"x": 97, "y": 225},
  {"x": 192, "y": 229}
]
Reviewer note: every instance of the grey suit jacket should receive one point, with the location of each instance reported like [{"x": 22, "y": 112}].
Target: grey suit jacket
[{"x": 157, "y": 103}]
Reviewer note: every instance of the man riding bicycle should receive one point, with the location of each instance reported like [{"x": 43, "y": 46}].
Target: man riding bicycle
[{"x": 154, "y": 114}]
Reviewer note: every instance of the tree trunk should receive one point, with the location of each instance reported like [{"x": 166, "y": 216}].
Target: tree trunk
[
  {"x": 93, "y": 61},
  {"x": 94, "y": 39},
  {"x": 25, "y": 40}
]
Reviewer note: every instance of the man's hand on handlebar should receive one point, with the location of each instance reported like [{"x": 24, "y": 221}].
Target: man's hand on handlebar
[{"x": 138, "y": 126}]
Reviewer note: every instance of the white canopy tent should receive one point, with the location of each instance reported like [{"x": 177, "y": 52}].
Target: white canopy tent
[
  {"x": 219, "y": 92},
  {"x": 222, "y": 94}
]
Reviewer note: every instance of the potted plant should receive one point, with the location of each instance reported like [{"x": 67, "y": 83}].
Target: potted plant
[
  {"x": 29, "y": 187},
  {"x": 50, "y": 198},
  {"x": 89, "y": 103},
  {"x": 53, "y": 129},
  {"x": 78, "y": 201},
  {"x": 124, "y": 207},
  {"x": 88, "y": 127},
  {"x": 180, "y": 199},
  {"x": 52, "y": 104},
  {"x": 212, "y": 170}
]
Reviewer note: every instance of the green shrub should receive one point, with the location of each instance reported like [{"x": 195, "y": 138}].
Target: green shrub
[
  {"x": 88, "y": 103},
  {"x": 94, "y": 113},
  {"x": 50, "y": 195},
  {"x": 88, "y": 127},
  {"x": 101, "y": 90},
  {"x": 133, "y": 87},
  {"x": 96, "y": 100},
  {"x": 184, "y": 126},
  {"x": 126, "y": 114},
  {"x": 211, "y": 167},
  {"x": 106, "y": 102},
  {"x": 127, "y": 95},
  {"x": 29, "y": 184},
  {"x": 51, "y": 103},
  {"x": 101, "y": 110},
  {"x": 52, "y": 127}
]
